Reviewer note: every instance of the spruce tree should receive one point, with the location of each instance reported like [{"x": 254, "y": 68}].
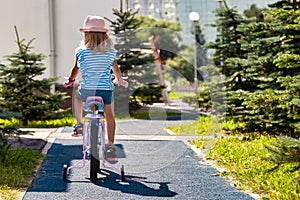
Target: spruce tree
[
  {"x": 285, "y": 151},
  {"x": 229, "y": 58},
  {"x": 125, "y": 27},
  {"x": 21, "y": 89},
  {"x": 273, "y": 65},
  {"x": 284, "y": 114},
  {"x": 130, "y": 58},
  {"x": 255, "y": 13},
  {"x": 288, "y": 61}
]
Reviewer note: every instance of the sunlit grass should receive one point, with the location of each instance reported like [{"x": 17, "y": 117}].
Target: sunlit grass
[
  {"x": 245, "y": 161},
  {"x": 206, "y": 125},
  {"x": 7, "y": 193},
  {"x": 179, "y": 95},
  {"x": 50, "y": 123}
]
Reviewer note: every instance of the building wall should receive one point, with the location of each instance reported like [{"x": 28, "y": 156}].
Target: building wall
[
  {"x": 32, "y": 20},
  {"x": 30, "y": 17}
]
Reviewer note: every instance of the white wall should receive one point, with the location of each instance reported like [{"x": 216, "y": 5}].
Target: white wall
[
  {"x": 70, "y": 15},
  {"x": 30, "y": 17},
  {"x": 32, "y": 20}
]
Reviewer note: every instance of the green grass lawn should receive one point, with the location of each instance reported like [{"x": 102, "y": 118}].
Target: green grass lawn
[
  {"x": 17, "y": 168},
  {"x": 244, "y": 160},
  {"x": 180, "y": 95},
  {"x": 51, "y": 123},
  {"x": 206, "y": 125}
]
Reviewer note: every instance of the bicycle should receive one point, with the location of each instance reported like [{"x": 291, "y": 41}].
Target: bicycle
[{"x": 93, "y": 142}]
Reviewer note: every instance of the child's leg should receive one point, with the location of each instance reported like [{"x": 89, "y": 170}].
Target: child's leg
[
  {"x": 78, "y": 107},
  {"x": 110, "y": 122}
]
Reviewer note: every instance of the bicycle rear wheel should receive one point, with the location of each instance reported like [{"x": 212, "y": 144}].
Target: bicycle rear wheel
[{"x": 95, "y": 162}]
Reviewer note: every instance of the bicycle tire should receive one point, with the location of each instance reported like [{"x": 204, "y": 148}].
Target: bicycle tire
[{"x": 94, "y": 162}]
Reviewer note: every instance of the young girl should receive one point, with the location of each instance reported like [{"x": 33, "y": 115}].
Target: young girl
[{"x": 95, "y": 59}]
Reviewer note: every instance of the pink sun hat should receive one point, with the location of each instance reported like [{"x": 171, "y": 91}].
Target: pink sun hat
[{"x": 94, "y": 24}]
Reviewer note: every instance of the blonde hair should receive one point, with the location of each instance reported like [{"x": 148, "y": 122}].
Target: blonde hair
[{"x": 97, "y": 41}]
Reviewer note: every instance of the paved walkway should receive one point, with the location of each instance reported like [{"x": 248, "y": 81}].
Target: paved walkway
[{"x": 157, "y": 166}]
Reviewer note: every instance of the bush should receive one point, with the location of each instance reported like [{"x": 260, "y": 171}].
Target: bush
[
  {"x": 23, "y": 92},
  {"x": 148, "y": 94}
]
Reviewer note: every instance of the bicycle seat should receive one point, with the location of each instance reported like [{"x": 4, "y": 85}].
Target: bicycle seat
[{"x": 95, "y": 103}]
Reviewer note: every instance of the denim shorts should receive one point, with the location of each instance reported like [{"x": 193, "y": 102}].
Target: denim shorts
[{"x": 107, "y": 95}]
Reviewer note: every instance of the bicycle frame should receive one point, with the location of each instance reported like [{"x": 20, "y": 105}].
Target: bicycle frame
[{"x": 95, "y": 102}]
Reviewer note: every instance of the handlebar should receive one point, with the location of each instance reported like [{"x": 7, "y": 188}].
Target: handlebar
[{"x": 115, "y": 81}]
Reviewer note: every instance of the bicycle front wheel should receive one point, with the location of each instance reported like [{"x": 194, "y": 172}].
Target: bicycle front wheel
[{"x": 95, "y": 162}]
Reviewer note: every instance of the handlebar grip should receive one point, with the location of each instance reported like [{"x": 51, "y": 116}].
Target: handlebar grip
[
  {"x": 65, "y": 85},
  {"x": 125, "y": 84}
]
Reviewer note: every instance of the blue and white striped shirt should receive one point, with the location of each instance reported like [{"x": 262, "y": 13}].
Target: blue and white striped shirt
[{"x": 95, "y": 68}]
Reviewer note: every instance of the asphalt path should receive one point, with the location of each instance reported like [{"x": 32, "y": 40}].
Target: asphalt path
[{"x": 154, "y": 169}]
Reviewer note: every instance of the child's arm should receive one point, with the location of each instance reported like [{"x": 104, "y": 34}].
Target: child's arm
[
  {"x": 72, "y": 77},
  {"x": 116, "y": 70}
]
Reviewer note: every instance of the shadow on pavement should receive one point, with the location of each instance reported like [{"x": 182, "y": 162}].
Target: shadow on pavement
[
  {"x": 49, "y": 177},
  {"x": 135, "y": 185},
  {"x": 50, "y": 174}
]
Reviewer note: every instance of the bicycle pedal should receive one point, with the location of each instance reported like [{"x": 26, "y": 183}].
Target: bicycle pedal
[
  {"x": 112, "y": 160},
  {"x": 76, "y": 135}
]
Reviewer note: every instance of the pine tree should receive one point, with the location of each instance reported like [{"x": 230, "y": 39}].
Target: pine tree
[
  {"x": 261, "y": 65},
  {"x": 288, "y": 61},
  {"x": 130, "y": 58},
  {"x": 22, "y": 91},
  {"x": 273, "y": 65},
  {"x": 229, "y": 58},
  {"x": 254, "y": 12},
  {"x": 127, "y": 43},
  {"x": 285, "y": 151}
]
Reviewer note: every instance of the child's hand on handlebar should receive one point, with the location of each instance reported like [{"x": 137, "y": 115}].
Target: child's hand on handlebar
[
  {"x": 123, "y": 83},
  {"x": 120, "y": 82},
  {"x": 69, "y": 83}
]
